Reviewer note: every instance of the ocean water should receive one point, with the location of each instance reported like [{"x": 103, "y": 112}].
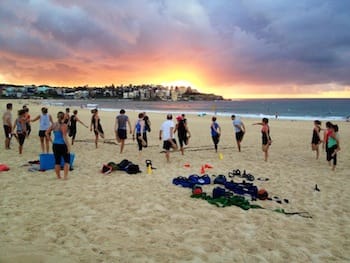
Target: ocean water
[{"x": 293, "y": 109}]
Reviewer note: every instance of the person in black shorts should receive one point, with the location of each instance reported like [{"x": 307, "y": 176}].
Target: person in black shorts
[
  {"x": 316, "y": 137},
  {"x": 239, "y": 128},
  {"x": 265, "y": 136},
  {"x": 95, "y": 125},
  {"x": 7, "y": 123},
  {"x": 73, "y": 125},
  {"x": 183, "y": 132},
  {"x": 21, "y": 129},
  {"x": 120, "y": 128}
]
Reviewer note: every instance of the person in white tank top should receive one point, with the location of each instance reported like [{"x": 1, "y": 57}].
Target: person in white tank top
[{"x": 45, "y": 123}]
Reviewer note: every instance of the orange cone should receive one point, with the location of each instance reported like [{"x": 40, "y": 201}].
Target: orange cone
[
  {"x": 207, "y": 165},
  {"x": 202, "y": 170}
]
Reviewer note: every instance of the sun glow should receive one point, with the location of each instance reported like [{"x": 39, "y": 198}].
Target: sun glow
[
  {"x": 2, "y": 79},
  {"x": 178, "y": 83},
  {"x": 188, "y": 77}
]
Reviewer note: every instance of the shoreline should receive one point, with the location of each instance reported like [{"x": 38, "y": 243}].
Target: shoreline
[{"x": 161, "y": 107}]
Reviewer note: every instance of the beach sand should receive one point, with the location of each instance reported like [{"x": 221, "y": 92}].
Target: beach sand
[{"x": 119, "y": 217}]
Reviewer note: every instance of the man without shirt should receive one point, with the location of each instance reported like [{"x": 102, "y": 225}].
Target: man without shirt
[{"x": 7, "y": 123}]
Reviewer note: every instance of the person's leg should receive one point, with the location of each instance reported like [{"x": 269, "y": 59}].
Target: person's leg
[
  {"x": 96, "y": 139},
  {"x": 57, "y": 170},
  {"x": 181, "y": 143},
  {"x": 57, "y": 155},
  {"x": 329, "y": 155},
  {"x": 122, "y": 141},
  {"x": 7, "y": 142},
  {"x": 265, "y": 149},
  {"x": 239, "y": 145},
  {"x": 73, "y": 136},
  {"x": 144, "y": 136},
  {"x": 139, "y": 142},
  {"x": 215, "y": 143},
  {"x": 47, "y": 144},
  {"x": 333, "y": 155},
  {"x": 42, "y": 144},
  {"x": 7, "y": 137},
  {"x": 238, "y": 140},
  {"x": 65, "y": 171},
  {"x": 167, "y": 156},
  {"x": 21, "y": 138}
]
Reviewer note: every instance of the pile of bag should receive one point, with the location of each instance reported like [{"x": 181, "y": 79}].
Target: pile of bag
[{"x": 124, "y": 165}]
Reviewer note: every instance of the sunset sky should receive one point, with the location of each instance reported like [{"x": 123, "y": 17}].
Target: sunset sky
[{"x": 234, "y": 48}]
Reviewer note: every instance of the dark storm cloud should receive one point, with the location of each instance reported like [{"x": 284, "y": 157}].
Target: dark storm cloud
[
  {"x": 285, "y": 41},
  {"x": 253, "y": 42}
]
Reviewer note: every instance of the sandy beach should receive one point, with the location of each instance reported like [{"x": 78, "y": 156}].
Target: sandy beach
[{"x": 92, "y": 217}]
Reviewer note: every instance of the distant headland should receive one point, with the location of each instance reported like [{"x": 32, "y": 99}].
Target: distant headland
[{"x": 144, "y": 92}]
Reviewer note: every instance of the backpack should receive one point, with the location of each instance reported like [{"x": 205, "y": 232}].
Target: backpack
[
  {"x": 220, "y": 179},
  {"x": 132, "y": 169},
  {"x": 123, "y": 164}
]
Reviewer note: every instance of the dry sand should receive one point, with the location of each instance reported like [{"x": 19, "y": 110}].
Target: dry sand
[{"x": 118, "y": 217}]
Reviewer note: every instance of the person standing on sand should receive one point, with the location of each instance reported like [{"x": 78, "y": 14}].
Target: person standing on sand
[
  {"x": 239, "y": 128},
  {"x": 215, "y": 131},
  {"x": 147, "y": 127},
  {"x": 140, "y": 131},
  {"x": 326, "y": 134},
  {"x": 183, "y": 132},
  {"x": 21, "y": 129},
  {"x": 166, "y": 133},
  {"x": 333, "y": 145},
  {"x": 120, "y": 128},
  {"x": 67, "y": 117},
  {"x": 45, "y": 122},
  {"x": 60, "y": 145},
  {"x": 316, "y": 138},
  {"x": 73, "y": 125},
  {"x": 95, "y": 125},
  {"x": 7, "y": 124},
  {"x": 266, "y": 139},
  {"x": 27, "y": 117}
]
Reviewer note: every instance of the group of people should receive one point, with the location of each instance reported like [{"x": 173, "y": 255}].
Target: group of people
[
  {"x": 140, "y": 129},
  {"x": 330, "y": 141},
  {"x": 66, "y": 126},
  {"x": 240, "y": 130}
]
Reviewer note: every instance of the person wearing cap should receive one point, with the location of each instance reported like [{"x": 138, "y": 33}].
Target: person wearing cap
[
  {"x": 239, "y": 128},
  {"x": 166, "y": 134},
  {"x": 183, "y": 132},
  {"x": 45, "y": 122}
]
